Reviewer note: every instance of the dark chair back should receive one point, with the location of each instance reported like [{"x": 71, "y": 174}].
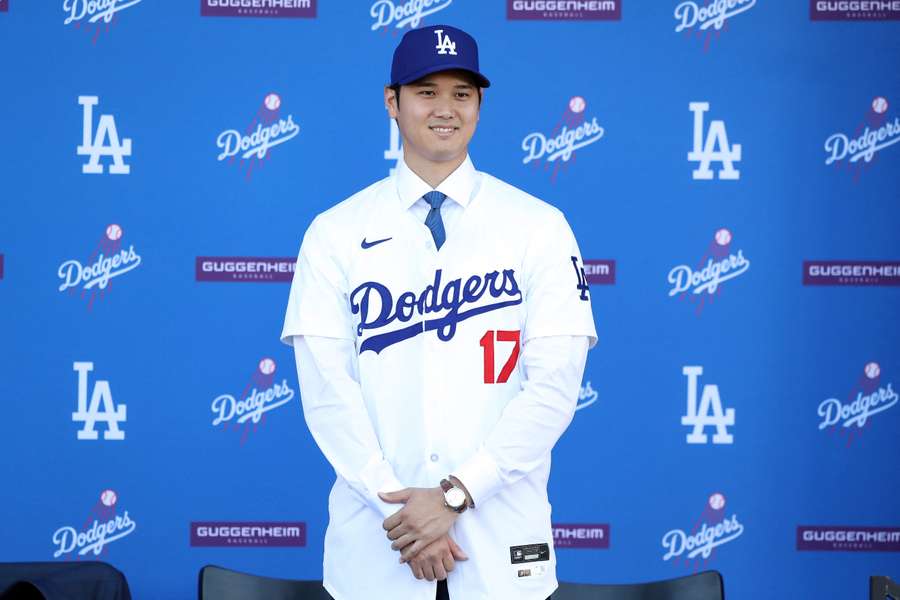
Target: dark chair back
[
  {"x": 702, "y": 586},
  {"x": 62, "y": 579},
  {"x": 217, "y": 583},
  {"x": 882, "y": 588}
]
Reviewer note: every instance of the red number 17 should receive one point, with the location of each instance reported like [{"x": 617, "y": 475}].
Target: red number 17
[{"x": 487, "y": 342}]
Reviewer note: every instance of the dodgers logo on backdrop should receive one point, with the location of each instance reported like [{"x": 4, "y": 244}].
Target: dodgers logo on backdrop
[
  {"x": 103, "y": 142},
  {"x": 709, "y": 413},
  {"x": 720, "y": 263},
  {"x": 101, "y": 408},
  {"x": 712, "y": 530},
  {"x": 108, "y": 261},
  {"x": 571, "y": 132},
  {"x": 258, "y": 8},
  {"x": 260, "y": 395},
  {"x": 256, "y": 269},
  {"x": 706, "y": 19},
  {"x": 400, "y": 13},
  {"x": 235, "y": 534},
  {"x": 713, "y": 148},
  {"x": 848, "y": 538},
  {"x": 564, "y": 10},
  {"x": 101, "y": 13},
  {"x": 586, "y": 396},
  {"x": 266, "y": 130},
  {"x": 868, "y": 397},
  {"x": 858, "y": 150},
  {"x": 851, "y": 272},
  {"x": 103, "y": 526},
  {"x": 394, "y": 151},
  {"x": 854, "y": 10},
  {"x": 374, "y": 303}
]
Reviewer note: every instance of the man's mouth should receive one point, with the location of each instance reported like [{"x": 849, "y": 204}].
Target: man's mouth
[{"x": 442, "y": 130}]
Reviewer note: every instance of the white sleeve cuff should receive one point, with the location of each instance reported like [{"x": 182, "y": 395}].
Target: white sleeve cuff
[
  {"x": 378, "y": 476},
  {"x": 480, "y": 476}
]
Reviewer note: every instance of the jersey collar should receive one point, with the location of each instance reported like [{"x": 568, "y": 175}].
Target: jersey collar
[{"x": 460, "y": 186}]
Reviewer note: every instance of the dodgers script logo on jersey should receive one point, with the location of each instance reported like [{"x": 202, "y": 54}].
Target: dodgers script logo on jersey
[
  {"x": 708, "y": 414},
  {"x": 107, "y": 261},
  {"x": 712, "y": 530},
  {"x": 95, "y": 145},
  {"x": 401, "y": 14},
  {"x": 717, "y": 265},
  {"x": 457, "y": 300},
  {"x": 260, "y": 395},
  {"x": 266, "y": 130},
  {"x": 706, "y": 20},
  {"x": 102, "y": 408},
  {"x": 870, "y": 396},
  {"x": 102, "y": 526},
  {"x": 859, "y": 150},
  {"x": 103, "y": 14},
  {"x": 572, "y": 132},
  {"x": 713, "y": 148}
]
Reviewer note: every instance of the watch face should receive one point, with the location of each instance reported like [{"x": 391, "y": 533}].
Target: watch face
[{"x": 455, "y": 497}]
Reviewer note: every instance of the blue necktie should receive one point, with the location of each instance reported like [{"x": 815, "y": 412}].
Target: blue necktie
[{"x": 433, "y": 221}]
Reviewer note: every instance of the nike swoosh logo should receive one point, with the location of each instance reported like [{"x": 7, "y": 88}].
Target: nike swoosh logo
[{"x": 366, "y": 245}]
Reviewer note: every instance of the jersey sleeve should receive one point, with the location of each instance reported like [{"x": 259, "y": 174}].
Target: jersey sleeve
[
  {"x": 557, "y": 297},
  {"x": 318, "y": 304}
]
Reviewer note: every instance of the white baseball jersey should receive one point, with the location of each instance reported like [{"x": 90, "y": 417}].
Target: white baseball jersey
[{"x": 416, "y": 363}]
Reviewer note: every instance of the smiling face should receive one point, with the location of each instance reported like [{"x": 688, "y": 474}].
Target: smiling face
[{"x": 437, "y": 116}]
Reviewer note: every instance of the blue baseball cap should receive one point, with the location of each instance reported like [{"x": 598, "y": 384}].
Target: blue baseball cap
[{"x": 432, "y": 49}]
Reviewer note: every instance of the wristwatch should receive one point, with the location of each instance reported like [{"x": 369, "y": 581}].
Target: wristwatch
[{"x": 454, "y": 497}]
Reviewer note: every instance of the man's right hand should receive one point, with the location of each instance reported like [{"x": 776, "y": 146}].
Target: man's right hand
[{"x": 437, "y": 559}]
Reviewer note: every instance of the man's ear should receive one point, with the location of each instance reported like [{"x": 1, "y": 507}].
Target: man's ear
[{"x": 390, "y": 101}]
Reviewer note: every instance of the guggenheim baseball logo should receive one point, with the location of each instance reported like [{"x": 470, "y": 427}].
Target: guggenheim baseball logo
[
  {"x": 706, "y": 20},
  {"x": 851, "y": 272},
  {"x": 109, "y": 260},
  {"x": 581, "y": 535},
  {"x": 564, "y": 10},
  {"x": 571, "y": 133},
  {"x": 712, "y": 530},
  {"x": 703, "y": 283},
  {"x": 231, "y": 534},
  {"x": 868, "y": 397},
  {"x": 258, "y": 8},
  {"x": 854, "y": 10},
  {"x": 266, "y": 130},
  {"x": 103, "y": 526},
  {"x": 261, "y": 394},
  {"x": 848, "y": 538},
  {"x": 857, "y": 151},
  {"x": 254, "y": 269}
]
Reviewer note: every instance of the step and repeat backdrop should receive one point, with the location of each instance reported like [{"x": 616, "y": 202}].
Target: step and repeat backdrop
[{"x": 730, "y": 169}]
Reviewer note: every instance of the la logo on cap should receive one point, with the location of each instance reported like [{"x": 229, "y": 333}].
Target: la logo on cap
[{"x": 445, "y": 45}]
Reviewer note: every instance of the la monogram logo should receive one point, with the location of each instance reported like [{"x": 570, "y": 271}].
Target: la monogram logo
[
  {"x": 582, "y": 285},
  {"x": 709, "y": 413},
  {"x": 89, "y": 415},
  {"x": 395, "y": 148},
  {"x": 714, "y": 149},
  {"x": 444, "y": 45},
  {"x": 94, "y": 144}
]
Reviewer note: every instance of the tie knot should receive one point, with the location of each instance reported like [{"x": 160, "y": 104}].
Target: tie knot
[{"x": 435, "y": 198}]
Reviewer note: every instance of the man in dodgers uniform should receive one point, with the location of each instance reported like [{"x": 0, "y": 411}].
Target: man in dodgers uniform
[{"x": 441, "y": 321}]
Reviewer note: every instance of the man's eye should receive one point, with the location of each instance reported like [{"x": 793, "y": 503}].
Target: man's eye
[
  {"x": 463, "y": 94},
  {"x": 426, "y": 93}
]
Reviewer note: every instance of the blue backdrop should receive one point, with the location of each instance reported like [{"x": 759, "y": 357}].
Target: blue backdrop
[{"x": 788, "y": 255}]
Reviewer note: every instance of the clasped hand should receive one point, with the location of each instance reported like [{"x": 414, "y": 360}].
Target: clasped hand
[{"x": 419, "y": 531}]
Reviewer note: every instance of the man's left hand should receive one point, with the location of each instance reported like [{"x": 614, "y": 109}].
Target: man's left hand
[{"x": 424, "y": 519}]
